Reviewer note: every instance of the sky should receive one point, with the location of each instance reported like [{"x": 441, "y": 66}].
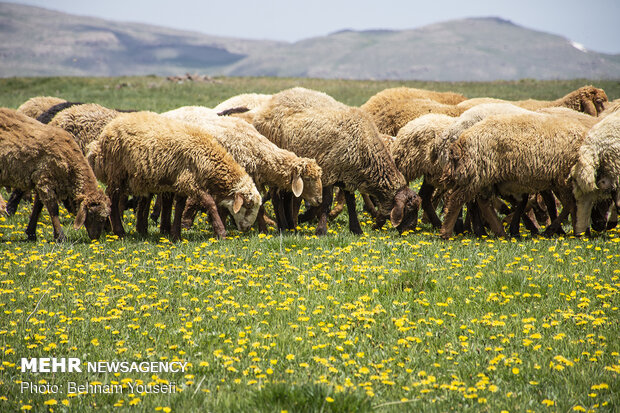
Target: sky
[{"x": 594, "y": 24}]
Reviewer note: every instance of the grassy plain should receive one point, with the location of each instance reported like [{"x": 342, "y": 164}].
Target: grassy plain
[{"x": 293, "y": 322}]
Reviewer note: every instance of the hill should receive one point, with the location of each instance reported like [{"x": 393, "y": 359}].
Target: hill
[{"x": 40, "y": 42}]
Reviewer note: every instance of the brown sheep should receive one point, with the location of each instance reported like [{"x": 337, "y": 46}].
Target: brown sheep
[
  {"x": 267, "y": 164},
  {"x": 391, "y": 112},
  {"x": 586, "y": 99},
  {"x": 517, "y": 154},
  {"x": 346, "y": 145},
  {"x": 143, "y": 153},
  {"x": 47, "y": 160},
  {"x": 36, "y": 106}
]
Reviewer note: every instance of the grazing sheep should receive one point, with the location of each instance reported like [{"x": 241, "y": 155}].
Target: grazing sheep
[
  {"x": 347, "y": 146},
  {"x": 84, "y": 122},
  {"x": 144, "y": 153},
  {"x": 586, "y": 120},
  {"x": 516, "y": 154},
  {"x": 36, "y": 106},
  {"x": 47, "y": 160},
  {"x": 267, "y": 164},
  {"x": 412, "y": 154},
  {"x": 586, "y": 99},
  {"x": 390, "y": 113},
  {"x": 251, "y": 101},
  {"x": 596, "y": 174}
]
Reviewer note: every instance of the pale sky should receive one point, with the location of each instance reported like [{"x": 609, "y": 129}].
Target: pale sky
[{"x": 593, "y": 24}]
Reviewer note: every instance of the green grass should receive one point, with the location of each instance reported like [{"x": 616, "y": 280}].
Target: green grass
[{"x": 380, "y": 322}]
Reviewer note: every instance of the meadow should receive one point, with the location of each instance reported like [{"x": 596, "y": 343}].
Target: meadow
[{"x": 291, "y": 322}]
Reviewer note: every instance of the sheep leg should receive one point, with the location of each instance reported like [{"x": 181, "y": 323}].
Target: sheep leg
[
  {"x": 13, "y": 202},
  {"x": 214, "y": 217},
  {"x": 166, "y": 212},
  {"x": 530, "y": 224},
  {"x": 599, "y": 214},
  {"x": 52, "y": 209},
  {"x": 540, "y": 210},
  {"x": 489, "y": 214},
  {"x": 296, "y": 204},
  {"x": 354, "y": 224},
  {"x": 516, "y": 218},
  {"x": 568, "y": 202},
  {"x": 311, "y": 213},
  {"x": 340, "y": 203},
  {"x": 179, "y": 206},
  {"x": 612, "y": 221},
  {"x": 276, "y": 200},
  {"x": 115, "y": 213},
  {"x": 142, "y": 215},
  {"x": 287, "y": 203},
  {"x": 426, "y": 193},
  {"x": 456, "y": 200},
  {"x": 549, "y": 199},
  {"x": 459, "y": 225},
  {"x": 584, "y": 209},
  {"x": 192, "y": 206},
  {"x": 325, "y": 207},
  {"x": 260, "y": 220},
  {"x": 31, "y": 230},
  {"x": 475, "y": 219},
  {"x": 369, "y": 205},
  {"x": 156, "y": 209}
]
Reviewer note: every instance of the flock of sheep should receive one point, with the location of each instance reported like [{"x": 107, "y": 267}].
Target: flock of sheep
[{"x": 300, "y": 144}]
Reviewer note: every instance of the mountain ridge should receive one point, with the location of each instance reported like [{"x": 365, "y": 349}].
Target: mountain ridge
[{"x": 42, "y": 42}]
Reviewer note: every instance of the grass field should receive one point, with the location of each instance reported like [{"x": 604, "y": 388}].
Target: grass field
[{"x": 292, "y": 322}]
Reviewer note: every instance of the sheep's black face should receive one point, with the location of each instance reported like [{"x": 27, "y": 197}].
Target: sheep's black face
[
  {"x": 411, "y": 204},
  {"x": 93, "y": 214},
  {"x": 94, "y": 224}
]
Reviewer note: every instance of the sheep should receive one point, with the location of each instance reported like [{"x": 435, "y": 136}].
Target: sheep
[
  {"x": 390, "y": 113},
  {"x": 251, "y": 101},
  {"x": 411, "y": 152},
  {"x": 145, "y": 153},
  {"x": 47, "y": 160},
  {"x": 36, "y": 106},
  {"x": 346, "y": 145},
  {"x": 84, "y": 122},
  {"x": 408, "y": 93},
  {"x": 515, "y": 154},
  {"x": 267, "y": 164},
  {"x": 587, "y": 99},
  {"x": 596, "y": 174}
]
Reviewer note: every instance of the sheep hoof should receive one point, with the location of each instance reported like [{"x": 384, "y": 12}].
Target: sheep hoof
[
  {"x": 31, "y": 237},
  {"x": 60, "y": 238},
  {"x": 320, "y": 231}
]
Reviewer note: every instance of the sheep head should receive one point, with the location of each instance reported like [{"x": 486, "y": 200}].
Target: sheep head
[
  {"x": 402, "y": 210},
  {"x": 243, "y": 203},
  {"x": 306, "y": 181},
  {"x": 591, "y": 100},
  {"x": 93, "y": 213},
  {"x": 404, "y": 214}
]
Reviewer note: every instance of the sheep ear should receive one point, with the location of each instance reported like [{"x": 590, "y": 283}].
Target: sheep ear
[
  {"x": 396, "y": 215},
  {"x": 298, "y": 185},
  {"x": 588, "y": 108},
  {"x": 237, "y": 203},
  {"x": 80, "y": 218}
]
